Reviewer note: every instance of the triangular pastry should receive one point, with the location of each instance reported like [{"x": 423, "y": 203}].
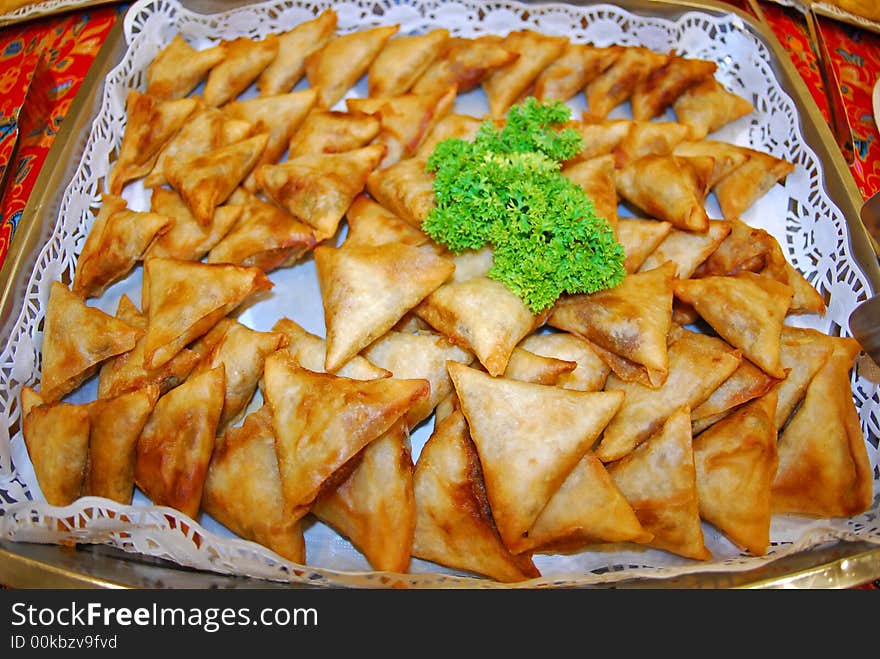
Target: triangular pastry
[
  {"x": 405, "y": 188},
  {"x": 178, "y": 68},
  {"x": 660, "y": 88},
  {"x": 188, "y": 239},
  {"x": 824, "y": 468},
  {"x": 150, "y": 125},
  {"x": 600, "y": 136},
  {"x": 317, "y": 426},
  {"x": 743, "y": 186},
  {"x": 242, "y": 488},
  {"x": 590, "y": 372},
  {"x": 406, "y": 119},
  {"x": 369, "y": 223},
  {"x": 735, "y": 461},
  {"x": 266, "y": 237},
  {"x": 420, "y": 355},
  {"x": 366, "y": 289},
  {"x": 202, "y": 132},
  {"x": 126, "y": 372},
  {"x": 802, "y": 353},
  {"x": 747, "y": 382},
  {"x": 615, "y": 85},
  {"x": 727, "y": 156},
  {"x": 645, "y": 138},
  {"x": 528, "y": 366},
  {"x": 482, "y": 316},
  {"x": 374, "y": 506},
  {"x": 277, "y": 115},
  {"x": 659, "y": 481},
  {"x": 569, "y": 73},
  {"x": 639, "y": 238},
  {"x": 288, "y": 67},
  {"x": 338, "y": 65},
  {"x": 806, "y": 299},
  {"x": 242, "y": 351},
  {"x": 708, "y": 106},
  {"x": 77, "y": 339},
  {"x": 57, "y": 439},
  {"x": 667, "y": 187},
  {"x": 116, "y": 425},
  {"x": 465, "y": 64},
  {"x": 310, "y": 351},
  {"x": 527, "y": 456},
  {"x": 461, "y": 126},
  {"x": 117, "y": 241},
  {"x": 687, "y": 249},
  {"x": 698, "y": 364},
  {"x": 629, "y": 323},
  {"x": 402, "y": 60},
  {"x": 747, "y": 310},
  {"x": 506, "y": 84},
  {"x": 588, "y": 508},
  {"x": 332, "y": 131},
  {"x": 744, "y": 248},
  {"x": 596, "y": 177},
  {"x": 319, "y": 188},
  {"x": 206, "y": 181},
  {"x": 454, "y": 524},
  {"x": 175, "y": 446},
  {"x": 246, "y": 58},
  {"x": 184, "y": 299}
]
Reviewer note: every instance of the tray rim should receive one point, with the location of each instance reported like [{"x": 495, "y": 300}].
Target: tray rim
[{"x": 24, "y": 565}]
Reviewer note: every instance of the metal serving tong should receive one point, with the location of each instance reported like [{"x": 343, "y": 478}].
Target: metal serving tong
[
  {"x": 839, "y": 123},
  {"x": 864, "y": 321}
]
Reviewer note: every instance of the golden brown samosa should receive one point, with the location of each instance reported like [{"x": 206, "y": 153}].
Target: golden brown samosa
[
  {"x": 418, "y": 355},
  {"x": 56, "y": 435},
  {"x": 321, "y": 421},
  {"x": 454, "y": 524},
  {"x": 77, "y": 339},
  {"x": 150, "y": 124},
  {"x": 659, "y": 481},
  {"x": 178, "y": 68},
  {"x": 747, "y": 310},
  {"x": 374, "y": 506},
  {"x": 245, "y": 59},
  {"x": 319, "y": 188},
  {"x": 175, "y": 446},
  {"x": 366, "y": 289},
  {"x": 184, "y": 299},
  {"x": 736, "y": 461},
  {"x": 340, "y": 63},
  {"x": 403, "y": 59},
  {"x": 116, "y": 425},
  {"x": 628, "y": 323},
  {"x": 294, "y": 45},
  {"x": 698, "y": 364},
  {"x": 824, "y": 469},
  {"x": 242, "y": 488},
  {"x": 527, "y": 456},
  {"x": 206, "y": 181}
]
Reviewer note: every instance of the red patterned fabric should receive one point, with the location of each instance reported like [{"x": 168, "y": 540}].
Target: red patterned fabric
[{"x": 48, "y": 58}]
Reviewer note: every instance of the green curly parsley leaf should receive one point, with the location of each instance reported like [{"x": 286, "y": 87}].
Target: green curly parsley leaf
[{"x": 505, "y": 189}]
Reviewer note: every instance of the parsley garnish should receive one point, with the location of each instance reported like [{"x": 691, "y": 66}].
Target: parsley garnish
[{"x": 505, "y": 189}]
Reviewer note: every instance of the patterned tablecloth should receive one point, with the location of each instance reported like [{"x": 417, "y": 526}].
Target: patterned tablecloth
[{"x": 44, "y": 61}]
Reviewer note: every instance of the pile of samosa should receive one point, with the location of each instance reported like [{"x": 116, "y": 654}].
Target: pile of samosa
[{"x": 633, "y": 415}]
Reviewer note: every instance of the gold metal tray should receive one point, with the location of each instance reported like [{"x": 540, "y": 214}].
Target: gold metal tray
[{"x": 24, "y": 565}]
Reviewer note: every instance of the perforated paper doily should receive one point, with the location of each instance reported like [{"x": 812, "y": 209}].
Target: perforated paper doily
[{"x": 799, "y": 214}]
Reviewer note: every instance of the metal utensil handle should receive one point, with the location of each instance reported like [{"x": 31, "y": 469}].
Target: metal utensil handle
[{"x": 839, "y": 122}]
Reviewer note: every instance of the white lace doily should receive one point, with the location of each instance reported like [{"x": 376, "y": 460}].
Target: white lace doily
[{"x": 799, "y": 214}]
